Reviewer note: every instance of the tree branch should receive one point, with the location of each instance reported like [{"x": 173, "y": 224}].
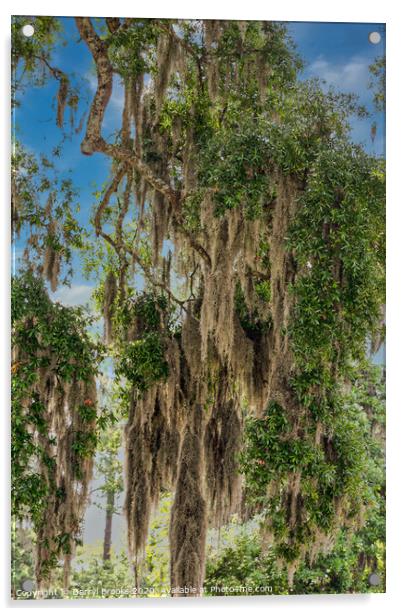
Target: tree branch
[
  {"x": 113, "y": 24},
  {"x": 93, "y": 140},
  {"x": 130, "y": 157},
  {"x": 113, "y": 186},
  {"x": 149, "y": 275},
  {"x": 180, "y": 225}
]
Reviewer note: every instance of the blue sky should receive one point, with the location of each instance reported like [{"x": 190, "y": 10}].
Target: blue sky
[
  {"x": 338, "y": 53},
  {"x": 341, "y": 54}
]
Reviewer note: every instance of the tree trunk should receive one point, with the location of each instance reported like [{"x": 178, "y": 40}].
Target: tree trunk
[
  {"x": 188, "y": 526},
  {"x": 107, "y": 539}
]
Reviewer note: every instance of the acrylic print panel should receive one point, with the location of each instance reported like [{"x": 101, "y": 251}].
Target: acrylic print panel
[{"x": 197, "y": 308}]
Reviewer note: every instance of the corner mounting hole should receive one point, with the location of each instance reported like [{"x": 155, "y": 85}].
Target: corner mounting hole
[
  {"x": 28, "y": 30},
  {"x": 374, "y": 38},
  {"x": 374, "y": 579}
]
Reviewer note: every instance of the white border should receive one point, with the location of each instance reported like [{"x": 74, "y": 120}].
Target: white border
[{"x": 307, "y": 10}]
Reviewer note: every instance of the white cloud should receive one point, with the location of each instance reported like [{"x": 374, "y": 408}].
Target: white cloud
[
  {"x": 352, "y": 76},
  {"x": 75, "y": 295}
]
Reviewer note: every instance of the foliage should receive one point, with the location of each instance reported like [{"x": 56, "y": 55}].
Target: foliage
[
  {"x": 94, "y": 578},
  {"x": 128, "y": 46},
  {"x": 108, "y": 466},
  {"x": 244, "y": 565},
  {"x": 27, "y": 52},
  {"x": 45, "y": 207},
  {"x": 50, "y": 343},
  {"x": 352, "y": 464},
  {"x": 377, "y": 70},
  {"x": 155, "y": 570},
  {"x": 234, "y": 165},
  {"x": 338, "y": 240},
  {"x": 141, "y": 361},
  {"x": 355, "y": 554},
  {"x": 343, "y": 570},
  {"x": 239, "y": 158},
  {"x": 55, "y": 327},
  {"x": 22, "y": 542}
]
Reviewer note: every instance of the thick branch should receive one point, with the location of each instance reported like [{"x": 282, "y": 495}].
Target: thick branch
[
  {"x": 112, "y": 188},
  {"x": 93, "y": 140},
  {"x": 113, "y": 24}
]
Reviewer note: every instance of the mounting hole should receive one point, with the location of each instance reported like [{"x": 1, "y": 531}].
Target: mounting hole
[
  {"x": 374, "y": 579},
  {"x": 28, "y": 585},
  {"x": 28, "y": 30},
  {"x": 374, "y": 38}
]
